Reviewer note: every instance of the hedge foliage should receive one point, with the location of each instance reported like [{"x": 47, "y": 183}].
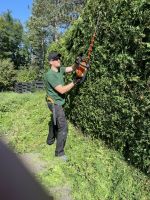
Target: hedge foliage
[{"x": 114, "y": 102}]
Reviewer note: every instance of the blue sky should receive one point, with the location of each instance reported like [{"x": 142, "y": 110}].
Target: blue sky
[{"x": 21, "y": 9}]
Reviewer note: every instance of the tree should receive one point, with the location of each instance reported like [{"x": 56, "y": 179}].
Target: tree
[
  {"x": 48, "y": 20},
  {"x": 24, "y": 51},
  {"x": 10, "y": 38}
]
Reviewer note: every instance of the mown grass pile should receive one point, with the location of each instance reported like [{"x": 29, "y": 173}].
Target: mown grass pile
[{"x": 93, "y": 172}]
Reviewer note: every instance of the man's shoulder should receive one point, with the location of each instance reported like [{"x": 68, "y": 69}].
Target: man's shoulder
[
  {"x": 50, "y": 76},
  {"x": 48, "y": 73}
]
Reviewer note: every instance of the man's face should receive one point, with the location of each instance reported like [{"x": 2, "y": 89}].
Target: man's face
[{"x": 55, "y": 62}]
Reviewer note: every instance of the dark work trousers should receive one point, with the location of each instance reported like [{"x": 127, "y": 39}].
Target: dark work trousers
[{"x": 58, "y": 129}]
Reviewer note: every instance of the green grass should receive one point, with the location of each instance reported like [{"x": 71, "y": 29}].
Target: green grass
[{"x": 93, "y": 171}]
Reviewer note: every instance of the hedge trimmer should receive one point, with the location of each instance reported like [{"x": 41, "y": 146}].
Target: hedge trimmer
[{"x": 83, "y": 63}]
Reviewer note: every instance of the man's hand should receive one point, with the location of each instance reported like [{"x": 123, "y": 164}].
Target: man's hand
[
  {"x": 77, "y": 62},
  {"x": 79, "y": 59},
  {"x": 75, "y": 65},
  {"x": 78, "y": 80}
]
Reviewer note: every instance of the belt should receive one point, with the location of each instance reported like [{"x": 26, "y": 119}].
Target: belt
[{"x": 49, "y": 99}]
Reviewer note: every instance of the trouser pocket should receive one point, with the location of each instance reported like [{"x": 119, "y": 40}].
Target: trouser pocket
[{"x": 62, "y": 130}]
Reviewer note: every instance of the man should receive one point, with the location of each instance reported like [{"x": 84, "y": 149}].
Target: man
[{"x": 55, "y": 91}]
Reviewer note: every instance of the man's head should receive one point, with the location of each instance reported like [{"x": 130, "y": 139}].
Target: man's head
[{"x": 54, "y": 59}]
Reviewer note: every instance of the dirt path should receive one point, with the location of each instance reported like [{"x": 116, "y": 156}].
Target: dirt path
[{"x": 34, "y": 163}]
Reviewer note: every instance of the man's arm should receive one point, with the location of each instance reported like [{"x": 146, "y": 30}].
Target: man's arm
[
  {"x": 71, "y": 68},
  {"x": 63, "y": 89}
]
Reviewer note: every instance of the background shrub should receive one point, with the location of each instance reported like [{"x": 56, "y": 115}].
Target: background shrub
[
  {"x": 7, "y": 74},
  {"x": 27, "y": 74}
]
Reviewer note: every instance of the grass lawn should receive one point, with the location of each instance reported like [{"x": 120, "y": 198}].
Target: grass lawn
[{"x": 93, "y": 172}]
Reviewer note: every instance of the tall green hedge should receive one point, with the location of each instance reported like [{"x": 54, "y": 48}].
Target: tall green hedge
[{"x": 114, "y": 102}]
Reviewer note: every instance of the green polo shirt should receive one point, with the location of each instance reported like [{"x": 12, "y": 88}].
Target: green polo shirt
[{"x": 51, "y": 80}]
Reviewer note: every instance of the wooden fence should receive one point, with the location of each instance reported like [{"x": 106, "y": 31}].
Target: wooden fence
[{"x": 29, "y": 87}]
